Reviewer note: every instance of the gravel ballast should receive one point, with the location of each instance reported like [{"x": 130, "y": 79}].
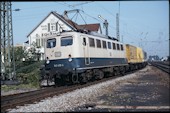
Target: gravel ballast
[{"x": 69, "y": 101}]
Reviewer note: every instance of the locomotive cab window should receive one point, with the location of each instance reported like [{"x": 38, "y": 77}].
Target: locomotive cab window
[
  {"x": 51, "y": 43},
  {"x": 66, "y": 41}
]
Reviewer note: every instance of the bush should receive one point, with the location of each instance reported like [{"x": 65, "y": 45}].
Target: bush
[
  {"x": 34, "y": 77},
  {"x": 29, "y": 68},
  {"x": 29, "y": 74}
]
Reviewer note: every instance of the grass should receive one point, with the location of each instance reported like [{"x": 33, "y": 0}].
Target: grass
[{"x": 17, "y": 87}]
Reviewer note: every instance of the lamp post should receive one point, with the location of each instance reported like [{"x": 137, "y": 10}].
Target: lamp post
[{"x": 105, "y": 24}]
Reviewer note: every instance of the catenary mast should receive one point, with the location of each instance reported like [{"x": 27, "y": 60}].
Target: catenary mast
[{"x": 7, "y": 46}]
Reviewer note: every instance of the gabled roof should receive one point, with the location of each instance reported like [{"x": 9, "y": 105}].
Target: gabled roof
[
  {"x": 91, "y": 27},
  {"x": 74, "y": 26},
  {"x": 69, "y": 23}
]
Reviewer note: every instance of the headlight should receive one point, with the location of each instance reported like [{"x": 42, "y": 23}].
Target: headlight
[
  {"x": 69, "y": 58},
  {"x": 47, "y": 61}
]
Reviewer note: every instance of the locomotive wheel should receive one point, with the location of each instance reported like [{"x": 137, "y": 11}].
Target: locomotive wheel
[
  {"x": 48, "y": 80},
  {"x": 99, "y": 74},
  {"x": 123, "y": 71},
  {"x": 74, "y": 78},
  {"x": 116, "y": 71},
  {"x": 58, "y": 82},
  {"x": 83, "y": 78}
]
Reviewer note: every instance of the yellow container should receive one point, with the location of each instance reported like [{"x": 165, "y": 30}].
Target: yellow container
[
  {"x": 140, "y": 55},
  {"x": 134, "y": 54}
]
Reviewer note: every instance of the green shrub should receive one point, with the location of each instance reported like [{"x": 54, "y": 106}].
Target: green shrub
[{"x": 29, "y": 74}]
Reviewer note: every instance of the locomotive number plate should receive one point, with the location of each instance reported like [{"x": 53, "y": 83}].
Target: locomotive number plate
[{"x": 57, "y": 54}]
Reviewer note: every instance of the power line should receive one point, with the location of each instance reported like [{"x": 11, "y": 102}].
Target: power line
[
  {"x": 108, "y": 11},
  {"x": 91, "y": 16},
  {"x": 28, "y": 8},
  {"x": 81, "y": 4},
  {"x": 27, "y": 16}
]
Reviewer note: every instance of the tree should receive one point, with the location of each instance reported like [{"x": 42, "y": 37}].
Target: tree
[{"x": 32, "y": 53}]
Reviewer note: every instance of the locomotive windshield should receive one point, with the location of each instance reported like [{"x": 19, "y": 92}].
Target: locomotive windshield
[
  {"x": 51, "y": 43},
  {"x": 66, "y": 41}
]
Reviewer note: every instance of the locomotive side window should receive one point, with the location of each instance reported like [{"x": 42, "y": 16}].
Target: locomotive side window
[
  {"x": 51, "y": 43},
  {"x": 118, "y": 47},
  {"x": 66, "y": 41},
  {"x": 104, "y": 44},
  {"x": 121, "y": 47},
  {"x": 114, "y": 46},
  {"x": 109, "y": 45},
  {"x": 91, "y": 42},
  {"x": 98, "y": 43}
]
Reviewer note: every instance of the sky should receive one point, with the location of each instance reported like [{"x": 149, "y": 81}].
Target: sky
[{"x": 141, "y": 23}]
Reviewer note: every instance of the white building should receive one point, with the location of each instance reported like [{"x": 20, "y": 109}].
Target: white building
[{"x": 51, "y": 25}]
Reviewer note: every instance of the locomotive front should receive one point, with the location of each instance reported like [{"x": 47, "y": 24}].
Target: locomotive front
[{"x": 59, "y": 61}]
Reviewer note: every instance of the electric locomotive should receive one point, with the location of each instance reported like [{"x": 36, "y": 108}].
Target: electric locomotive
[{"x": 75, "y": 57}]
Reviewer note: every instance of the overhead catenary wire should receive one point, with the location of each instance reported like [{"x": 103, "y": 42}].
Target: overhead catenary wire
[
  {"x": 79, "y": 4},
  {"x": 36, "y": 7},
  {"x": 76, "y": 18},
  {"x": 111, "y": 13}
]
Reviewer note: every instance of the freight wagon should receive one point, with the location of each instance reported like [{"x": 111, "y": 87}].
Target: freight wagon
[{"x": 136, "y": 57}]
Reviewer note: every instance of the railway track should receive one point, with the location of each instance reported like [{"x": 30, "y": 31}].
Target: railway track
[
  {"x": 11, "y": 101},
  {"x": 164, "y": 66}
]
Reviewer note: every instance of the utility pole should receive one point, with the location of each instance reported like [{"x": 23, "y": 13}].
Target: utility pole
[
  {"x": 7, "y": 46},
  {"x": 105, "y": 24},
  {"x": 117, "y": 26}
]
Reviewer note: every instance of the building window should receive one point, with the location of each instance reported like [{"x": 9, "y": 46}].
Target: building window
[
  {"x": 98, "y": 43},
  {"x": 38, "y": 42},
  {"x": 104, "y": 44},
  {"x": 66, "y": 41},
  {"x": 42, "y": 42},
  {"x": 57, "y": 26},
  {"x": 48, "y": 27},
  {"x": 51, "y": 43},
  {"x": 109, "y": 45},
  {"x": 118, "y": 47},
  {"x": 53, "y": 26},
  {"x": 91, "y": 42},
  {"x": 114, "y": 46}
]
